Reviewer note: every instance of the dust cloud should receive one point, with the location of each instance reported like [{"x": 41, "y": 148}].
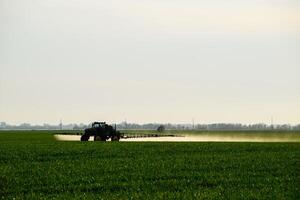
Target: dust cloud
[{"x": 195, "y": 138}]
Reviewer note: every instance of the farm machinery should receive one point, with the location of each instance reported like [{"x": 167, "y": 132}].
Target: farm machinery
[{"x": 101, "y": 132}]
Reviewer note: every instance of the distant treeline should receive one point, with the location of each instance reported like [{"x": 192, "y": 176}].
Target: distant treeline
[
  {"x": 154, "y": 126},
  {"x": 216, "y": 126}
]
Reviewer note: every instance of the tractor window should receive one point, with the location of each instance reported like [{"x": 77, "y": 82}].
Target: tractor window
[{"x": 96, "y": 125}]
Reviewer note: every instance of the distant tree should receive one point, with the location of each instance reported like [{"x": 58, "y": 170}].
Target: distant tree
[
  {"x": 76, "y": 127},
  {"x": 161, "y": 128}
]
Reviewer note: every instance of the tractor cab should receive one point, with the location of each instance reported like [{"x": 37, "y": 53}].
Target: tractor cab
[{"x": 98, "y": 124}]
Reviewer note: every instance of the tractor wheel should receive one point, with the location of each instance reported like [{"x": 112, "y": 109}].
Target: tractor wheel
[
  {"x": 97, "y": 138},
  {"x": 84, "y": 138},
  {"x": 115, "y": 138}
]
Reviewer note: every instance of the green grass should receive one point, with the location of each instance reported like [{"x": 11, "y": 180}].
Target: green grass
[{"x": 35, "y": 166}]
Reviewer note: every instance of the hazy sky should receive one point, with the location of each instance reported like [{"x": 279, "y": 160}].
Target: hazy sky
[{"x": 150, "y": 61}]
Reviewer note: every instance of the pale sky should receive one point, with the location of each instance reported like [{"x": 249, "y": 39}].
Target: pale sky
[{"x": 150, "y": 61}]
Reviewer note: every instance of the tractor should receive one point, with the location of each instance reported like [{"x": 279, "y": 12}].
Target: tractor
[{"x": 101, "y": 132}]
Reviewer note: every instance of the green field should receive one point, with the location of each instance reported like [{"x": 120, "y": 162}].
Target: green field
[{"x": 35, "y": 166}]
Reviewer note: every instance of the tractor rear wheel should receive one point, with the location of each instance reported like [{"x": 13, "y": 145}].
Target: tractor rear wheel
[
  {"x": 115, "y": 138},
  {"x": 97, "y": 138},
  {"x": 84, "y": 138}
]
